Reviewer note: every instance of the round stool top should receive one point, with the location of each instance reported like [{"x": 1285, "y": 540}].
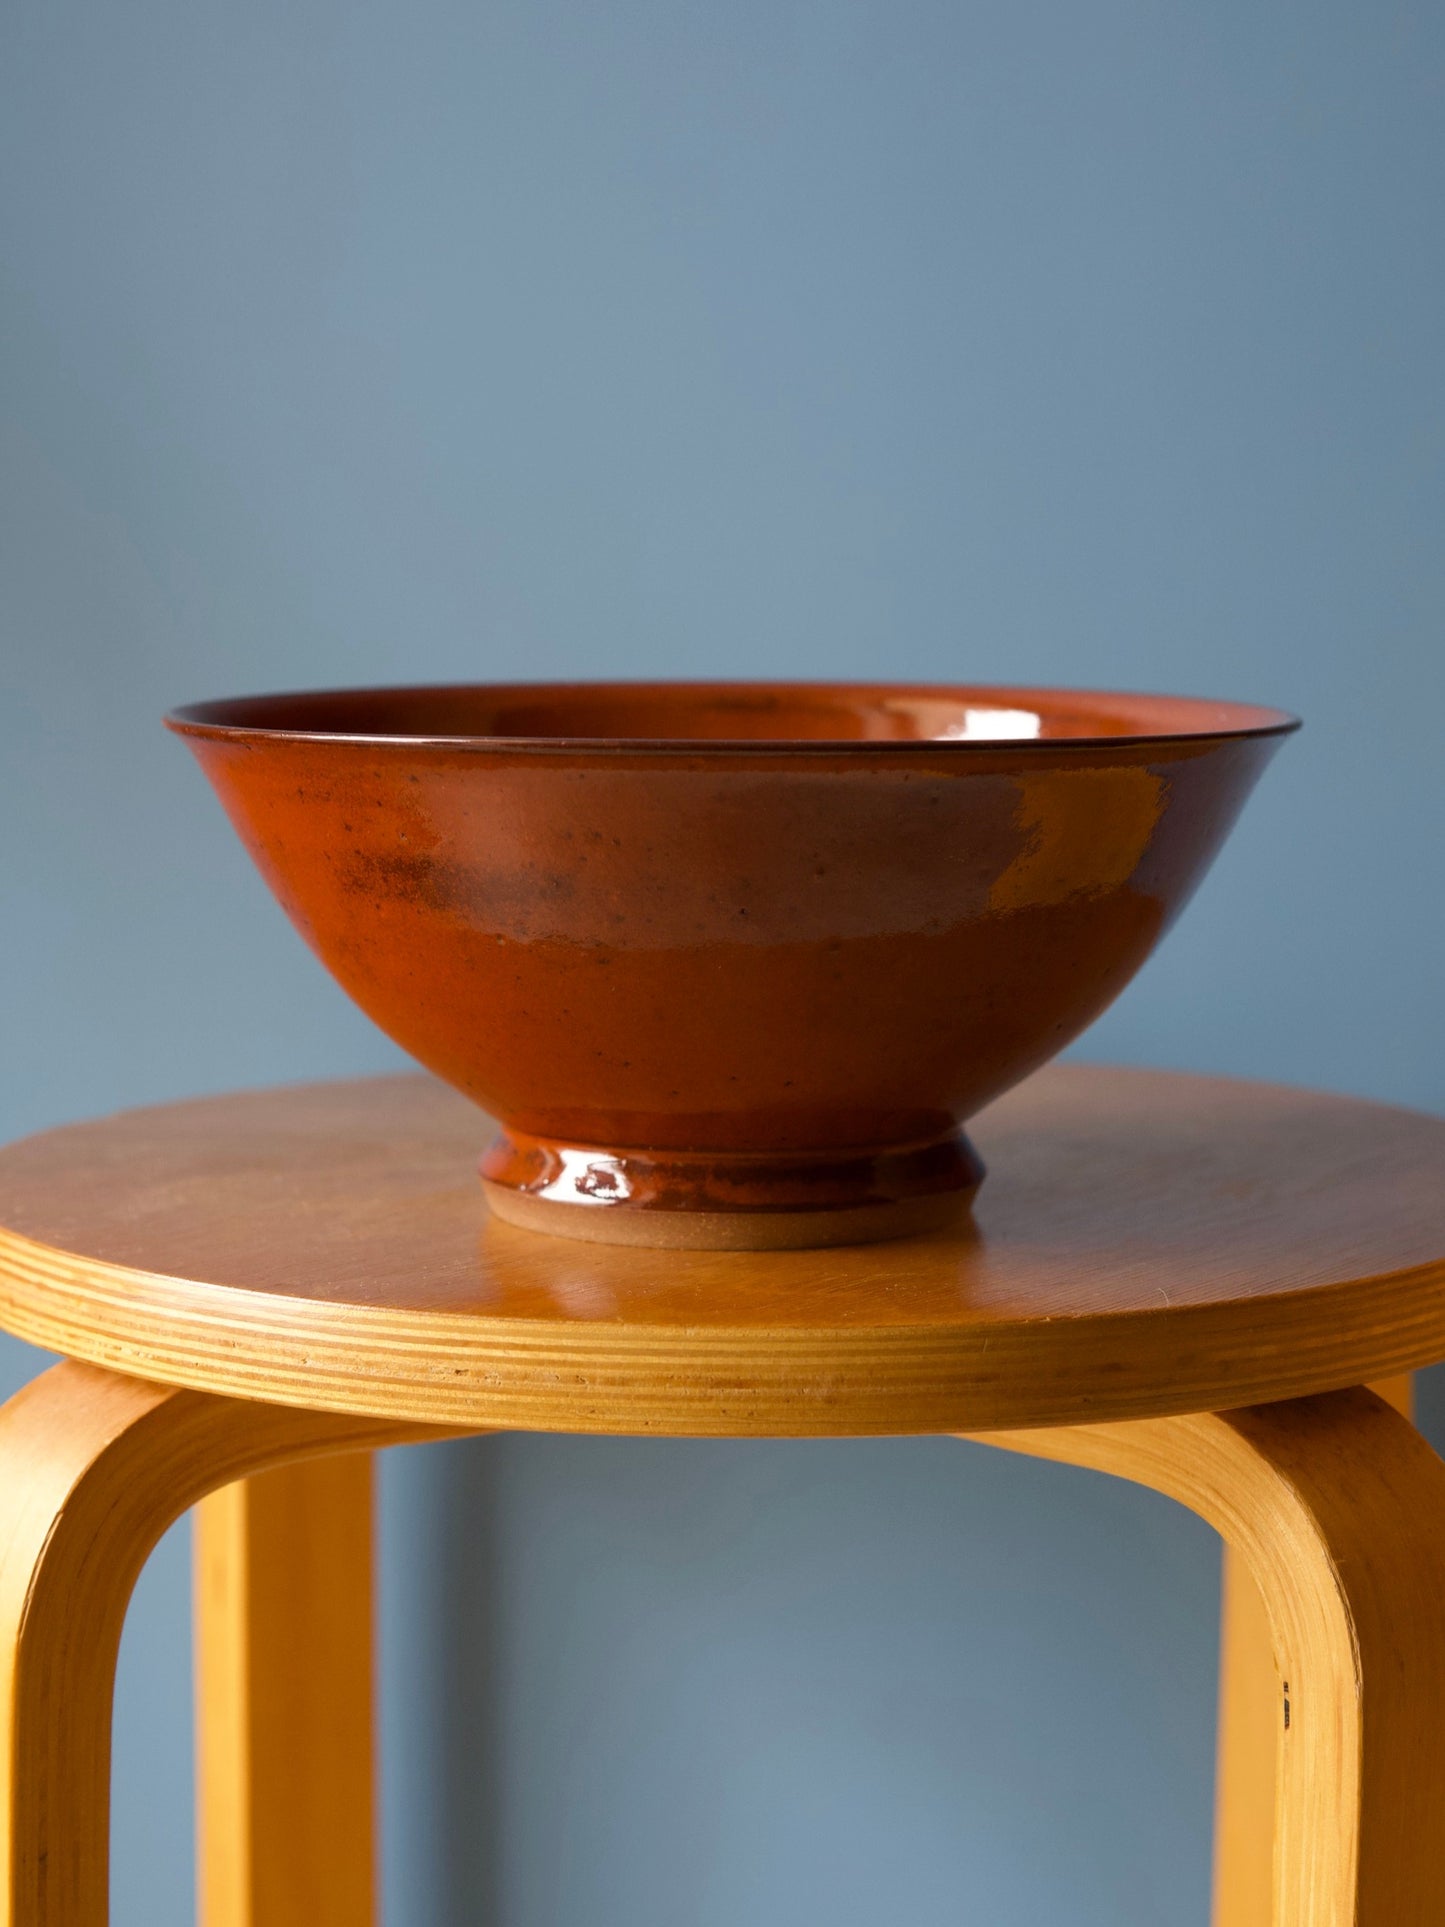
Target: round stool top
[{"x": 1144, "y": 1243}]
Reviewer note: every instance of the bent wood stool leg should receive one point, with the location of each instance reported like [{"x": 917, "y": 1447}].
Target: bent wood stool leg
[
  {"x": 1249, "y": 1735},
  {"x": 283, "y": 1616},
  {"x": 93, "y": 1468},
  {"x": 1337, "y": 1506}
]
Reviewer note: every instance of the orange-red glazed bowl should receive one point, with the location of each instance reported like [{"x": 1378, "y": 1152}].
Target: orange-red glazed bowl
[{"x": 731, "y": 963}]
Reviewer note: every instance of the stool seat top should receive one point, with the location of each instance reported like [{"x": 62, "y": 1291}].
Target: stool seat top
[{"x": 1144, "y": 1243}]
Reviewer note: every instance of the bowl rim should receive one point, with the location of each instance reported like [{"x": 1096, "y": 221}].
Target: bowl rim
[{"x": 226, "y": 719}]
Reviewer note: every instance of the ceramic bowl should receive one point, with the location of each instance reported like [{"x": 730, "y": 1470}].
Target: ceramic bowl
[{"x": 732, "y": 964}]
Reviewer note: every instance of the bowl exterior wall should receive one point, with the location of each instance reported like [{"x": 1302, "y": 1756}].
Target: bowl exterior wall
[{"x": 792, "y": 951}]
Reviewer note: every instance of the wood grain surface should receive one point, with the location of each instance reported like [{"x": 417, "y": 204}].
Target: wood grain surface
[
  {"x": 285, "y": 1779},
  {"x": 1250, "y": 1734},
  {"x": 93, "y": 1468},
  {"x": 1144, "y": 1243},
  {"x": 1336, "y": 1505}
]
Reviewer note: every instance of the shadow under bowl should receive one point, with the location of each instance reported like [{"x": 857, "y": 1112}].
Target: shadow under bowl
[{"x": 732, "y": 963}]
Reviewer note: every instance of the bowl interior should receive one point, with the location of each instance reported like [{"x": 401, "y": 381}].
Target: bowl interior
[{"x": 730, "y": 712}]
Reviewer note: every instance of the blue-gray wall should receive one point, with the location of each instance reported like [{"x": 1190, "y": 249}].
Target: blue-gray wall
[{"x": 356, "y": 342}]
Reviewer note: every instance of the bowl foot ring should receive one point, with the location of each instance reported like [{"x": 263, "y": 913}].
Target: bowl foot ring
[{"x": 749, "y": 1201}]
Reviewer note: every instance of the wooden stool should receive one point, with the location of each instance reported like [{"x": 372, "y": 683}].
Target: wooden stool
[{"x": 264, "y": 1280}]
